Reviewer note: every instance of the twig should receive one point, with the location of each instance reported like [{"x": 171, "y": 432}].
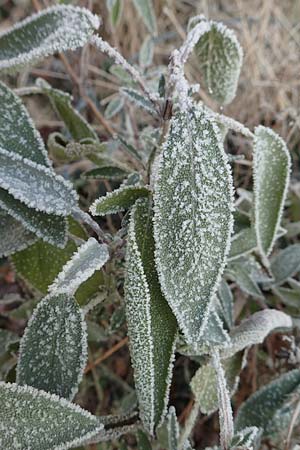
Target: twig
[{"x": 107, "y": 354}]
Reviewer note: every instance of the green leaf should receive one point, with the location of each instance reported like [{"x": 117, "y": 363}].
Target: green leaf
[
  {"x": 114, "y": 107},
  {"x": 241, "y": 273},
  {"x": 271, "y": 161},
  {"x": 41, "y": 262},
  {"x": 204, "y": 382},
  {"x": 118, "y": 200},
  {"x": 35, "y": 420},
  {"x": 77, "y": 126},
  {"x": 52, "y": 30},
  {"x": 13, "y": 236},
  {"x": 242, "y": 243},
  {"x": 6, "y": 339},
  {"x": 226, "y": 301},
  {"x": 91, "y": 256},
  {"x": 17, "y": 131},
  {"x": 193, "y": 218},
  {"x": 143, "y": 441},
  {"x": 173, "y": 429},
  {"x": 138, "y": 99},
  {"x": 260, "y": 409},
  {"x": 53, "y": 350},
  {"x": 147, "y": 14},
  {"x": 248, "y": 438},
  {"x": 146, "y": 52},
  {"x": 106, "y": 172},
  {"x": 49, "y": 227},
  {"x": 220, "y": 58},
  {"x": 115, "y": 8},
  {"x": 152, "y": 328},
  {"x": 286, "y": 264},
  {"x": 35, "y": 185}
]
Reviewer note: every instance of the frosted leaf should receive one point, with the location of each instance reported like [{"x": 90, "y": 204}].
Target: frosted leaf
[
  {"x": 49, "y": 227},
  {"x": 115, "y": 8},
  {"x": 242, "y": 243},
  {"x": 204, "y": 382},
  {"x": 247, "y": 439},
  {"x": 146, "y": 52},
  {"x": 286, "y": 263},
  {"x": 173, "y": 429},
  {"x": 53, "y": 349},
  {"x": 52, "y": 30},
  {"x": 106, "y": 172},
  {"x": 118, "y": 200},
  {"x": 40, "y": 263},
  {"x": 114, "y": 107},
  {"x": 152, "y": 328},
  {"x": 116, "y": 426},
  {"x": 138, "y": 99},
  {"x": 240, "y": 272},
  {"x": 35, "y": 420},
  {"x": 220, "y": 58},
  {"x": 193, "y": 218},
  {"x": 147, "y": 14},
  {"x": 225, "y": 410},
  {"x": 226, "y": 302},
  {"x": 214, "y": 332},
  {"x": 17, "y": 130},
  {"x": 255, "y": 329},
  {"x": 77, "y": 126},
  {"x": 35, "y": 185},
  {"x": 6, "y": 339},
  {"x": 91, "y": 256},
  {"x": 259, "y": 410},
  {"x": 271, "y": 161},
  {"x": 13, "y": 236}
]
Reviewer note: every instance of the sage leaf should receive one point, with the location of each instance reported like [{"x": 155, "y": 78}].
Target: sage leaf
[
  {"x": 146, "y": 52},
  {"x": 193, "y": 218},
  {"x": 242, "y": 243},
  {"x": 91, "y": 256},
  {"x": 17, "y": 131},
  {"x": 53, "y": 350},
  {"x": 173, "y": 429},
  {"x": 6, "y": 339},
  {"x": 115, "y": 8},
  {"x": 35, "y": 185},
  {"x": 240, "y": 272},
  {"x": 49, "y": 227},
  {"x": 260, "y": 409},
  {"x": 118, "y": 200},
  {"x": 107, "y": 172},
  {"x": 138, "y": 99},
  {"x": 52, "y": 30},
  {"x": 35, "y": 420},
  {"x": 285, "y": 264},
  {"x": 114, "y": 107},
  {"x": 147, "y": 14},
  {"x": 248, "y": 438},
  {"x": 271, "y": 161},
  {"x": 226, "y": 301},
  {"x": 13, "y": 236},
  {"x": 152, "y": 328},
  {"x": 77, "y": 126},
  {"x": 220, "y": 59}
]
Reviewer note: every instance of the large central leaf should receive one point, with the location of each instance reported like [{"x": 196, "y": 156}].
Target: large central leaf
[{"x": 193, "y": 218}]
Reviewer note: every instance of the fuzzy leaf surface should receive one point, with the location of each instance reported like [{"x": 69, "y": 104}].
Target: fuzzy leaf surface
[
  {"x": 13, "y": 236},
  {"x": 152, "y": 328},
  {"x": 107, "y": 172},
  {"x": 260, "y": 409},
  {"x": 52, "y": 30},
  {"x": 53, "y": 350},
  {"x": 91, "y": 256},
  {"x": 118, "y": 200},
  {"x": 115, "y": 8},
  {"x": 220, "y": 57},
  {"x": 35, "y": 185},
  {"x": 271, "y": 161},
  {"x": 242, "y": 243},
  {"x": 146, "y": 12},
  {"x": 138, "y": 99},
  {"x": 49, "y": 227},
  {"x": 286, "y": 263},
  {"x": 35, "y": 420},
  {"x": 193, "y": 218}
]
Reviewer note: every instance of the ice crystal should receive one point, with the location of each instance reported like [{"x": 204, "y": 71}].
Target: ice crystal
[
  {"x": 152, "y": 327},
  {"x": 53, "y": 350},
  {"x": 55, "y": 29},
  {"x": 91, "y": 256},
  {"x": 118, "y": 200},
  {"x": 193, "y": 218},
  {"x": 14, "y": 237},
  {"x": 35, "y": 420},
  {"x": 271, "y": 170},
  {"x": 35, "y": 185}
]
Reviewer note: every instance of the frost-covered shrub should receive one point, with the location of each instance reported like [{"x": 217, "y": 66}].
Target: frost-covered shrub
[{"x": 188, "y": 236}]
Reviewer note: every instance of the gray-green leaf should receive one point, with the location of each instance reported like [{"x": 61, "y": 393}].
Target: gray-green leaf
[
  {"x": 13, "y": 236},
  {"x": 118, "y": 200},
  {"x": 193, "y": 218},
  {"x": 35, "y": 420},
  {"x": 146, "y": 11},
  {"x": 286, "y": 263},
  {"x": 52, "y": 30},
  {"x": 115, "y": 8}
]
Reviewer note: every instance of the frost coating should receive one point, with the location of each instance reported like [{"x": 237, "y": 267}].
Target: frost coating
[
  {"x": 193, "y": 218},
  {"x": 52, "y": 30},
  {"x": 152, "y": 328},
  {"x": 271, "y": 173},
  {"x": 13, "y": 236},
  {"x": 17, "y": 131},
  {"x": 35, "y": 185},
  {"x": 90, "y": 257},
  {"x": 118, "y": 200},
  {"x": 242, "y": 243},
  {"x": 53, "y": 350},
  {"x": 49, "y": 227}
]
